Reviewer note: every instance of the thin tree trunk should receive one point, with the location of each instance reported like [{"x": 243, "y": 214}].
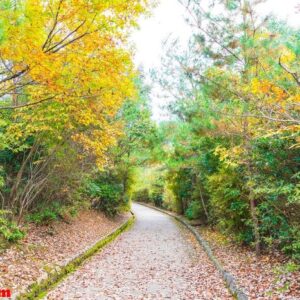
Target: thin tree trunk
[
  {"x": 2, "y": 200},
  {"x": 13, "y": 193},
  {"x": 15, "y": 94},
  {"x": 255, "y": 224},
  {"x": 203, "y": 203},
  {"x": 247, "y": 136},
  {"x": 125, "y": 185}
]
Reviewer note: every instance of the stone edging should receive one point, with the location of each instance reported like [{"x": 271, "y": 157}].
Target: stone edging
[
  {"x": 39, "y": 289},
  {"x": 228, "y": 278}
]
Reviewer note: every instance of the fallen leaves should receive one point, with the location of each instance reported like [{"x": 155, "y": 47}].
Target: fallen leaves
[
  {"x": 265, "y": 277},
  {"x": 40, "y": 252},
  {"x": 154, "y": 260}
]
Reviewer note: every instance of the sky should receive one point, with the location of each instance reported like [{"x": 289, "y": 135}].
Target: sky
[{"x": 167, "y": 20}]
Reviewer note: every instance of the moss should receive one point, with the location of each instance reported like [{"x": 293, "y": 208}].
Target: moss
[{"x": 39, "y": 290}]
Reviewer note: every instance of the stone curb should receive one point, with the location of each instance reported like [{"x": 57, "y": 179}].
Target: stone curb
[
  {"x": 39, "y": 289},
  {"x": 236, "y": 291}
]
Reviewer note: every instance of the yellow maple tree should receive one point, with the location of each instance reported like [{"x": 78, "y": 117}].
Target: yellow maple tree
[{"x": 67, "y": 68}]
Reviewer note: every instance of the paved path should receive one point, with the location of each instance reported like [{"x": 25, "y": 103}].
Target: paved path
[{"x": 156, "y": 259}]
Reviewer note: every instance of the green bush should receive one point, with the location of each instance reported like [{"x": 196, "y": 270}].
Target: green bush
[
  {"x": 9, "y": 231},
  {"x": 141, "y": 196},
  {"x": 277, "y": 192},
  {"x": 291, "y": 243},
  {"x": 108, "y": 198},
  {"x": 157, "y": 198},
  {"x": 156, "y": 195},
  {"x": 73, "y": 211},
  {"x": 106, "y": 194},
  {"x": 182, "y": 187},
  {"x": 228, "y": 208},
  {"x": 46, "y": 214},
  {"x": 169, "y": 199},
  {"x": 194, "y": 210}
]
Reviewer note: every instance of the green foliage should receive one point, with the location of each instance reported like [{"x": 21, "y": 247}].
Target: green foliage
[
  {"x": 157, "y": 198},
  {"x": 36, "y": 169},
  {"x": 106, "y": 193},
  {"x": 169, "y": 199},
  {"x": 112, "y": 189},
  {"x": 194, "y": 210},
  {"x": 45, "y": 214},
  {"x": 229, "y": 209},
  {"x": 181, "y": 185},
  {"x": 9, "y": 231},
  {"x": 156, "y": 195},
  {"x": 231, "y": 151},
  {"x": 291, "y": 243},
  {"x": 142, "y": 195}
]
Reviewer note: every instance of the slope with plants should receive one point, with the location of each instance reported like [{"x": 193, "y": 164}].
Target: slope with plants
[
  {"x": 231, "y": 153},
  {"x": 65, "y": 73}
]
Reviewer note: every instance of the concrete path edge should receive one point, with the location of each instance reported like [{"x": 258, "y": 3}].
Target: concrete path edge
[
  {"x": 44, "y": 284},
  {"x": 229, "y": 279}
]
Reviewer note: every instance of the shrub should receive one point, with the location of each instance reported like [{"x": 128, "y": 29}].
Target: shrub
[
  {"x": 181, "y": 185},
  {"x": 194, "y": 210},
  {"x": 156, "y": 195},
  {"x": 169, "y": 199},
  {"x": 141, "y": 196},
  {"x": 157, "y": 198},
  {"x": 229, "y": 208},
  {"x": 107, "y": 200},
  {"x": 106, "y": 194},
  {"x": 291, "y": 244},
  {"x": 9, "y": 231},
  {"x": 46, "y": 214}
]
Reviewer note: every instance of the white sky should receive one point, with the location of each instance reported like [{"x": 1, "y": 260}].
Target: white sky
[{"x": 167, "y": 19}]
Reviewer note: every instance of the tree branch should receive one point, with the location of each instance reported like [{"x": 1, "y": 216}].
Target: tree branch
[
  {"x": 293, "y": 74},
  {"x": 27, "y": 105}
]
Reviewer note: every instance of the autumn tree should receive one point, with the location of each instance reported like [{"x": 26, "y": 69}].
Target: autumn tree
[
  {"x": 65, "y": 71},
  {"x": 236, "y": 92},
  {"x": 111, "y": 188}
]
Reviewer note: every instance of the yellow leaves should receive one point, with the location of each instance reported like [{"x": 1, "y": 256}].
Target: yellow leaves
[
  {"x": 279, "y": 92},
  {"x": 221, "y": 152},
  {"x": 236, "y": 151},
  {"x": 267, "y": 91},
  {"x": 97, "y": 143},
  {"x": 296, "y": 98},
  {"x": 287, "y": 56},
  {"x": 260, "y": 86},
  {"x": 230, "y": 157},
  {"x": 298, "y": 139},
  {"x": 75, "y": 53}
]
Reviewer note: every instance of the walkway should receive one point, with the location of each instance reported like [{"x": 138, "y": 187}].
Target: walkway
[{"x": 156, "y": 259}]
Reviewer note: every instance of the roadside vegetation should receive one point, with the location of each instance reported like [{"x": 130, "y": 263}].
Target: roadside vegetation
[
  {"x": 76, "y": 129},
  {"x": 230, "y": 154},
  {"x": 73, "y": 111}
]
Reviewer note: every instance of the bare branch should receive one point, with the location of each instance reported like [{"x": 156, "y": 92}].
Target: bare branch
[
  {"x": 50, "y": 35},
  {"x": 27, "y": 104},
  {"x": 16, "y": 75},
  {"x": 65, "y": 38},
  {"x": 293, "y": 74}
]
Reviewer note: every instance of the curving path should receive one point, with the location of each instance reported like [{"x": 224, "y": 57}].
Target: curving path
[{"x": 156, "y": 259}]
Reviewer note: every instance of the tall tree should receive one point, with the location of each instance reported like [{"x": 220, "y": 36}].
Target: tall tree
[
  {"x": 65, "y": 71},
  {"x": 238, "y": 82}
]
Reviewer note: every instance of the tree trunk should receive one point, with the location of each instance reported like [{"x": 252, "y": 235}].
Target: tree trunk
[
  {"x": 125, "y": 185},
  {"x": 255, "y": 222},
  {"x": 198, "y": 182},
  {"x": 203, "y": 203},
  {"x": 14, "y": 190}
]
